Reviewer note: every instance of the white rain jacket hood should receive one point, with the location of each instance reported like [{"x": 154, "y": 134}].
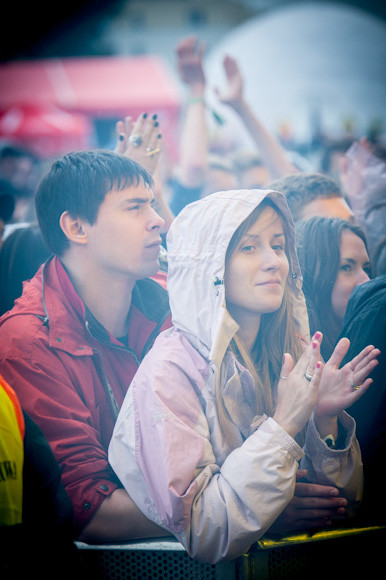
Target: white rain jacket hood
[
  {"x": 168, "y": 448},
  {"x": 197, "y": 244}
]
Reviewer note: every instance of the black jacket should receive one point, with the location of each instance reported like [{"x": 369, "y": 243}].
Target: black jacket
[{"x": 365, "y": 323}]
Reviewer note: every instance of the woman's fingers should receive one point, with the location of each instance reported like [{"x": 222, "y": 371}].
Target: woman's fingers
[
  {"x": 138, "y": 126},
  {"x": 313, "y": 361},
  {"x": 358, "y": 369},
  {"x": 154, "y": 146},
  {"x": 317, "y": 375},
  {"x": 339, "y": 352},
  {"x": 141, "y": 134},
  {"x": 311, "y": 355},
  {"x": 150, "y": 129},
  {"x": 128, "y": 125},
  {"x": 297, "y": 395},
  {"x": 287, "y": 366},
  {"x": 359, "y": 391},
  {"x": 152, "y": 137},
  {"x": 123, "y": 131},
  {"x": 121, "y": 137},
  {"x": 341, "y": 387},
  {"x": 358, "y": 377},
  {"x": 362, "y": 360}
]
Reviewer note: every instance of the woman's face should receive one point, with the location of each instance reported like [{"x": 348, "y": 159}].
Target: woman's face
[
  {"x": 353, "y": 271},
  {"x": 256, "y": 273}
]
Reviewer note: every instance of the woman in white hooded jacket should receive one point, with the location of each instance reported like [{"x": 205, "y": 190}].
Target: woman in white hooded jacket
[{"x": 205, "y": 441}]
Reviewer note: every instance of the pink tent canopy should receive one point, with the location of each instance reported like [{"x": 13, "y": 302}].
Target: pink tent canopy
[
  {"x": 46, "y": 131},
  {"x": 106, "y": 87}
]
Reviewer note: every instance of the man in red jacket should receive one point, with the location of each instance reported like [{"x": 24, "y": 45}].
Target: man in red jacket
[{"x": 74, "y": 339}]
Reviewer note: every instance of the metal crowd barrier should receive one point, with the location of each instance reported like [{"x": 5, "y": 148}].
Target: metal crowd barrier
[{"x": 345, "y": 553}]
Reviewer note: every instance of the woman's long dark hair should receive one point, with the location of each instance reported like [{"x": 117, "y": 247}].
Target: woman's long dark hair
[{"x": 318, "y": 247}]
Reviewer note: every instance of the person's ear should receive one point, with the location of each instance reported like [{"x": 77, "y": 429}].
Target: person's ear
[{"x": 73, "y": 228}]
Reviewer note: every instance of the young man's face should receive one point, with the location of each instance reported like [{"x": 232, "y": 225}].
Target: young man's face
[{"x": 125, "y": 239}]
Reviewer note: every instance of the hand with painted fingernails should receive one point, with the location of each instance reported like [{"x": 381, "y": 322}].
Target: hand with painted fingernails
[
  {"x": 298, "y": 388},
  {"x": 140, "y": 140}
]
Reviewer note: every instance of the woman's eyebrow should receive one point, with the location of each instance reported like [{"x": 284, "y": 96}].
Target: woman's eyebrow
[
  {"x": 256, "y": 236},
  {"x": 354, "y": 261}
]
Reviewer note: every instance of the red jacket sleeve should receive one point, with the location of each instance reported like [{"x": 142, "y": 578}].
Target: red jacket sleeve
[{"x": 47, "y": 391}]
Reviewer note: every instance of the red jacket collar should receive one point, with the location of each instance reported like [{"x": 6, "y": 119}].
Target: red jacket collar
[{"x": 51, "y": 296}]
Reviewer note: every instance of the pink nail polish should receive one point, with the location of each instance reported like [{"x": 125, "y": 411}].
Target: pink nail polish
[
  {"x": 314, "y": 344},
  {"x": 318, "y": 364}
]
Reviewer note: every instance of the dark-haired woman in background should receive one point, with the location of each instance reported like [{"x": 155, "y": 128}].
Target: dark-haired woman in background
[{"x": 334, "y": 260}]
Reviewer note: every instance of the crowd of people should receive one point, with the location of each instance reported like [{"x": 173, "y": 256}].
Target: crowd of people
[{"x": 200, "y": 356}]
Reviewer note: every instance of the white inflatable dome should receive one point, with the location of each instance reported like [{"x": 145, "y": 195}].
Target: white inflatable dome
[{"x": 309, "y": 57}]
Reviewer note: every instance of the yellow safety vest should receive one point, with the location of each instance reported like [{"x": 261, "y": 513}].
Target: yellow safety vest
[{"x": 11, "y": 456}]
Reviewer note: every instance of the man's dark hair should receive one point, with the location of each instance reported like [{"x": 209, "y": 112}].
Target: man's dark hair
[
  {"x": 301, "y": 188},
  {"x": 78, "y": 183}
]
